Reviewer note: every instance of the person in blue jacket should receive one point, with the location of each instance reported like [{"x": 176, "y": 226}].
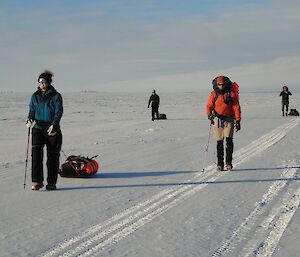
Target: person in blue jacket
[{"x": 45, "y": 112}]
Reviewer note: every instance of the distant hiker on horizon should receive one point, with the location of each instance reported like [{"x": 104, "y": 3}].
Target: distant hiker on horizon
[
  {"x": 285, "y": 93},
  {"x": 154, "y": 101},
  {"x": 223, "y": 110},
  {"x": 45, "y": 112}
]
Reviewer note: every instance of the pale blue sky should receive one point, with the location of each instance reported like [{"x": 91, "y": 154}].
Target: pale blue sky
[{"x": 131, "y": 45}]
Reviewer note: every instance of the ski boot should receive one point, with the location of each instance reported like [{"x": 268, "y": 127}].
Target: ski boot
[
  {"x": 37, "y": 186},
  {"x": 228, "y": 166},
  {"x": 50, "y": 187},
  {"x": 220, "y": 167}
]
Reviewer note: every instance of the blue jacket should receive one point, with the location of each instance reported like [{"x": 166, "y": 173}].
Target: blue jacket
[{"x": 46, "y": 108}]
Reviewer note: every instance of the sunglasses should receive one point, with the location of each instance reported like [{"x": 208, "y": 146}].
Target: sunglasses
[
  {"x": 42, "y": 81},
  {"x": 220, "y": 84}
]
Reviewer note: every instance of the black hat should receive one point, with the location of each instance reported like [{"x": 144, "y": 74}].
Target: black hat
[{"x": 47, "y": 75}]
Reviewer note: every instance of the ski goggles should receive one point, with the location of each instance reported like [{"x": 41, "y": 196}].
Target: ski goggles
[{"x": 42, "y": 81}]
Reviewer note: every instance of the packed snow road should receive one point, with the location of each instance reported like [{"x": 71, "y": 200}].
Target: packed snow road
[
  {"x": 151, "y": 197},
  {"x": 98, "y": 238}
]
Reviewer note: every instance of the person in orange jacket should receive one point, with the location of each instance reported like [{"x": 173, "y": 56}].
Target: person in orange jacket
[{"x": 224, "y": 112}]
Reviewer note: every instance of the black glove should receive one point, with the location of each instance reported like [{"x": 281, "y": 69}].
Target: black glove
[
  {"x": 211, "y": 118},
  {"x": 237, "y": 126}
]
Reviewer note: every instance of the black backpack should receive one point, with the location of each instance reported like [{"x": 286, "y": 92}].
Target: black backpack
[
  {"x": 294, "y": 112},
  {"x": 229, "y": 86},
  {"x": 227, "y": 82}
]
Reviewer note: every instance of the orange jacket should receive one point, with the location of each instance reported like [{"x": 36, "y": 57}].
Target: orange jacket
[{"x": 229, "y": 110}]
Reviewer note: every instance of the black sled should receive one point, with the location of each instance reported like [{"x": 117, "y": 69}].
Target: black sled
[
  {"x": 161, "y": 116},
  {"x": 77, "y": 166}
]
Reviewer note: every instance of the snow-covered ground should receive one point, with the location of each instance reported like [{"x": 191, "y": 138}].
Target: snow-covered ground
[{"x": 150, "y": 197}]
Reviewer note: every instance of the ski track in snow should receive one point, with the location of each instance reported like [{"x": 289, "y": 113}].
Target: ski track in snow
[
  {"x": 286, "y": 212},
  {"x": 98, "y": 237},
  {"x": 242, "y": 232},
  {"x": 274, "y": 226}
]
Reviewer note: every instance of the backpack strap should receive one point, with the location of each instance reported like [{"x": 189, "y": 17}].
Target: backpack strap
[{"x": 215, "y": 98}]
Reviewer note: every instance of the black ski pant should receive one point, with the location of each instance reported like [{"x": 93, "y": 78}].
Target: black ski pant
[
  {"x": 53, "y": 145},
  {"x": 155, "y": 111},
  {"x": 286, "y": 105},
  {"x": 229, "y": 151}
]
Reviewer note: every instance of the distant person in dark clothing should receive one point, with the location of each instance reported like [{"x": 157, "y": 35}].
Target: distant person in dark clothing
[
  {"x": 285, "y": 93},
  {"x": 45, "y": 112},
  {"x": 154, "y": 101}
]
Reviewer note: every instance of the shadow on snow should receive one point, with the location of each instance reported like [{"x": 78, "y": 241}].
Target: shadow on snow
[
  {"x": 139, "y": 174},
  {"x": 262, "y": 169},
  {"x": 178, "y": 184}
]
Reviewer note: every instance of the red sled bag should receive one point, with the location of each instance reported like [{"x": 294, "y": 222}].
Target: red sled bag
[{"x": 77, "y": 166}]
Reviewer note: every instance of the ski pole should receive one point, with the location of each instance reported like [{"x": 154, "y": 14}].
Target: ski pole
[
  {"x": 63, "y": 153},
  {"x": 206, "y": 148},
  {"x": 26, "y": 160}
]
